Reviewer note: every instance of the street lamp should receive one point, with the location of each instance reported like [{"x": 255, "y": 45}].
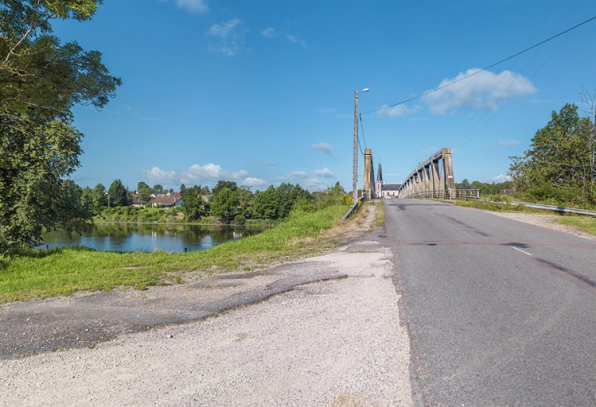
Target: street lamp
[{"x": 355, "y": 170}]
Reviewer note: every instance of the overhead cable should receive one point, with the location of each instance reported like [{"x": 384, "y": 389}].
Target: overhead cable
[{"x": 483, "y": 69}]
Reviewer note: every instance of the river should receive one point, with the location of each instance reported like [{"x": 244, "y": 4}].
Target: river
[{"x": 150, "y": 237}]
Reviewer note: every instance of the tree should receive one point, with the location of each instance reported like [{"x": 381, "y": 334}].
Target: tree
[
  {"x": 465, "y": 184},
  {"x": 558, "y": 164},
  {"x": 334, "y": 195},
  {"x": 231, "y": 185},
  {"x": 266, "y": 203},
  {"x": 87, "y": 200},
  {"x": 157, "y": 188},
  {"x": 117, "y": 194},
  {"x": 99, "y": 198},
  {"x": 40, "y": 82},
  {"x": 144, "y": 191},
  {"x": 192, "y": 203},
  {"x": 225, "y": 205}
]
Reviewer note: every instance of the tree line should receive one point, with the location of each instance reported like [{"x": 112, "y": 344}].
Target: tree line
[
  {"x": 559, "y": 167},
  {"x": 226, "y": 201}
]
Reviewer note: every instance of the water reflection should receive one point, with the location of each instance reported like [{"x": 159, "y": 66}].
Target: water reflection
[{"x": 150, "y": 237}]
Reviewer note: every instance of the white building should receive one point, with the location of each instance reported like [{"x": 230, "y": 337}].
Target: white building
[{"x": 383, "y": 190}]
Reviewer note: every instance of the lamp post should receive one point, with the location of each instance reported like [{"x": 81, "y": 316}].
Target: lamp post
[{"x": 355, "y": 169}]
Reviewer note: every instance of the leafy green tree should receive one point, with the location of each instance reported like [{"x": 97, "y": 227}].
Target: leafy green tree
[
  {"x": 87, "y": 200},
  {"x": 144, "y": 191},
  {"x": 231, "y": 185},
  {"x": 117, "y": 194},
  {"x": 225, "y": 205},
  {"x": 192, "y": 203},
  {"x": 287, "y": 195},
  {"x": 334, "y": 195},
  {"x": 558, "y": 164},
  {"x": 100, "y": 199},
  {"x": 266, "y": 204},
  {"x": 158, "y": 189},
  {"x": 465, "y": 184},
  {"x": 40, "y": 82},
  {"x": 246, "y": 198}
]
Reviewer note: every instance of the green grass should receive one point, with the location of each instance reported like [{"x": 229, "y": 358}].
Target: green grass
[
  {"x": 64, "y": 271},
  {"x": 499, "y": 207},
  {"x": 584, "y": 223}
]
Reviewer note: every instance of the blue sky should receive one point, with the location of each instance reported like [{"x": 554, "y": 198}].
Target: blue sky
[{"x": 262, "y": 91}]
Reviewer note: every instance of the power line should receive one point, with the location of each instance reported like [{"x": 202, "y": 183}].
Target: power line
[
  {"x": 484, "y": 69},
  {"x": 362, "y": 130}
]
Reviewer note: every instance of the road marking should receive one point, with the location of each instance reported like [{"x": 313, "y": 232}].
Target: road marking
[{"x": 520, "y": 250}]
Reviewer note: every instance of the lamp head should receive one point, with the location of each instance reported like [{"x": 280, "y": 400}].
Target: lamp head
[{"x": 365, "y": 90}]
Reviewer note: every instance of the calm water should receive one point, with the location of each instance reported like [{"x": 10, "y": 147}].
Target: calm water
[{"x": 150, "y": 237}]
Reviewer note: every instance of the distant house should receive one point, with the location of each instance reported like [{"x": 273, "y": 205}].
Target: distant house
[
  {"x": 167, "y": 201},
  {"x": 138, "y": 203},
  {"x": 384, "y": 190}
]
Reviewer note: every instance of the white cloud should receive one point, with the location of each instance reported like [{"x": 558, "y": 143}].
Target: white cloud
[
  {"x": 195, "y": 6},
  {"x": 325, "y": 147},
  {"x": 509, "y": 143},
  {"x": 165, "y": 177},
  {"x": 269, "y": 33},
  {"x": 228, "y": 37},
  {"x": 210, "y": 172},
  {"x": 325, "y": 173},
  {"x": 398, "y": 111},
  {"x": 315, "y": 184},
  {"x": 254, "y": 182},
  {"x": 196, "y": 174},
  {"x": 482, "y": 90},
  {"x": 295, "y": 40},
  {"x": 298, "y": 174},
  {"x": 501, "y": 178}
]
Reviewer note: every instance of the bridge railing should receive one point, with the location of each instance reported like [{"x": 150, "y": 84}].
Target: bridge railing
[
  {"x": 454, "y": 194},
  {"x": 433, "y": 175}
]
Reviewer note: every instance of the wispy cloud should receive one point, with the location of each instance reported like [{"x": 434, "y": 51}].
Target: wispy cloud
[
  {"x": 254, "y": 182},
  {"x": 482, "y": 90},
  {"x": 269, "y": 33},
  {"x": 200, "y": 174},
  {"x": 398, "y": 111},
  {"x": 501, "y": 178},
  {"x": 509, "y": 143},
  {"x": 325, "y": 147},
  {"x": 228, "y": 37},
  {"x": 296, "y": 40},
  {"x": 194, "y": 6},
  {"x": 325, "y": 173}
]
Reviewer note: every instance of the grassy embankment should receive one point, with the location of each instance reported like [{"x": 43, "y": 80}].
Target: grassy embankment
[
  {"x": 64, "y": 271},
  {"x": 581, "y": 222}
]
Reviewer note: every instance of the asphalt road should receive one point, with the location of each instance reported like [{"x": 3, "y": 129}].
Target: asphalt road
[{"x": 500, "y": 313}]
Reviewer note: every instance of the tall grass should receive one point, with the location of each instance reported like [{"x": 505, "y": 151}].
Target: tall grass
[
  {"x": 583, "y": 223},
  {"x": 64, "y": 271}
]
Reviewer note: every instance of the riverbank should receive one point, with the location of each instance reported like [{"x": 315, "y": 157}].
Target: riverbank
[
  {"x": 328, "y": 334},
  {"x": 64, "y": 271}
]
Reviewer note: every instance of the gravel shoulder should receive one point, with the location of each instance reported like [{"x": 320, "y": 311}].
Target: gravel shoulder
[
  {"x": 323, "y": 331},
  {"x": 545, "y": 221}
]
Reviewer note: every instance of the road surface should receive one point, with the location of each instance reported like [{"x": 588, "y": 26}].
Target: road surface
[{"x": 500, "y": 313}]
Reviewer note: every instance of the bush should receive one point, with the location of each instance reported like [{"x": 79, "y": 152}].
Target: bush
[{"x": 239, "y": 219}]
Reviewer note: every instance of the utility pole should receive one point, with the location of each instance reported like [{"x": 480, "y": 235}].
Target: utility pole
[{"x": 355, "y": 169}]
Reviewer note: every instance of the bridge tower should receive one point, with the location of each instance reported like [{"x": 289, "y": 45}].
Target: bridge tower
[{"x": 368, "y": 189}]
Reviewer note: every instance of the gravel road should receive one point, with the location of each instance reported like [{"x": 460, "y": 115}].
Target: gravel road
[{"x": 336, "y": 341}]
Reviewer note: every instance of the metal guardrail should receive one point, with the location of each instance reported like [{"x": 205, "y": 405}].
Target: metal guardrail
[
  {"x": 556, "y": 208},
  {"x": 352, "y": 208}
]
